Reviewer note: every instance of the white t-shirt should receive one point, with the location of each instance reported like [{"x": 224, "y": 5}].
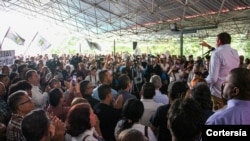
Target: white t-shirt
[{"x": 138, "y": 127}]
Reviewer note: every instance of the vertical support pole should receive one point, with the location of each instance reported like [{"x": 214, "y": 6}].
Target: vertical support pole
[{"x": 181, "y": 43}]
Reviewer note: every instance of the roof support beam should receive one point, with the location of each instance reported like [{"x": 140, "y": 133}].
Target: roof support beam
[{"x": 221, "y": 6}]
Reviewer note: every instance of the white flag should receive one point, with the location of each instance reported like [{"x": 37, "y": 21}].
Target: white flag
[
  {"x": 11, "y": 34},
  {"x": 41, "y": 42}
]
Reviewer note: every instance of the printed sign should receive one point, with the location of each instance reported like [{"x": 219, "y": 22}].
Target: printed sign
[{"x": 7, "y": 57}]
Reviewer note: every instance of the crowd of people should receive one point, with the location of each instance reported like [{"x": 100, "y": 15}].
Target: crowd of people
[{"x": 119, "y": 97}]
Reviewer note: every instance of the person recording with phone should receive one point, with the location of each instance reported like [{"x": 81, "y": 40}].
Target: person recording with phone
[
  {"x": 74, "y": 79},
  {"x": 60, "y": 106},
  {"x": 222, "y": 61}
]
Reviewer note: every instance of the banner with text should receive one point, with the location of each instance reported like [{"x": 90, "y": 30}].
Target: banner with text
[{"x": 7, "y": 57}]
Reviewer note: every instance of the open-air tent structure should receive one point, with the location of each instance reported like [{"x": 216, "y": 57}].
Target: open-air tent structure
[{"x": 139, "y": 19}]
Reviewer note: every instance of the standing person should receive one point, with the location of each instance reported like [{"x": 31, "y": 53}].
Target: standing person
[
  {"x": 125, "y": 86},
  {"x": 159, "y": 119},
  {"x": 132, "y": 112},
  {"x": 20, "y": 104},
  {"x": 21, "y": 69},
  {"x": 40, "y": 98},
  {"x": 80, "y": 124},
  {"x": 159, "y": 97},
  {"x": 236, "y": 89},
  {"x": 57, "y": 105},
  {"x": 6, "y": 70},
  {"x": 185, "y": 120},
  {"x": 105, "y": 78},
  {"x": 223, "y": 60},
  {"x": 4, "y": 109},
  {"x": 38, "y": 125},
  {"x": 93, "y": 77},
  {"x": 150, "y": 106},
  {"x": 86, "y": 89},
  {"x": 6, "y": 81},
  {"x": 108, "y": 112},
  {"x": 21, "y": 85},
  {"x": 131, "y": 135},
  {"x": 201, "y": 93}
]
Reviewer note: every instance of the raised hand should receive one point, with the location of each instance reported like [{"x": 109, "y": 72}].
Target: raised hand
[
  {"x": 118, "y": 102},
  {"x": 204, "y": 43},
  {"x": 59, "y": 129}
]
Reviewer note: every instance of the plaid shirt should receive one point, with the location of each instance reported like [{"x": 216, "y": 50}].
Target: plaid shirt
[
  {"x": 4, "y": 111},
  {"x": 14, "y": 132}
]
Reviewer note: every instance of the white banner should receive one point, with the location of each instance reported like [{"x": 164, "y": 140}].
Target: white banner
[{"x": 7, "y": 57}]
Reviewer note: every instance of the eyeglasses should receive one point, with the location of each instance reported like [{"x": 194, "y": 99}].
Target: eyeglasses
[{"x": 27, "y": 101}]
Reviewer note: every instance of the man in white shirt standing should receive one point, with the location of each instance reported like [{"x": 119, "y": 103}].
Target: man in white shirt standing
[
  {"x": 150, "y": 106},
  {"x": 40, "y": 98},
  {"x": 159, "y": 97},
  {"x": 223, "y": 60}
]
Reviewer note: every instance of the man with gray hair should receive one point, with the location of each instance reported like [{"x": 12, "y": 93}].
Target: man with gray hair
[
  {"x": 159, "y": 97},
  {"x": 20, "y": 104}
]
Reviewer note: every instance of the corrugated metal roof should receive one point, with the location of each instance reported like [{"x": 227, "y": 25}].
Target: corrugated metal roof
[{"x": 137, "y": 19}]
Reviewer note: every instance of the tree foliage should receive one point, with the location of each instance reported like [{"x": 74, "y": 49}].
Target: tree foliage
[{"x": 190, "y": 46}]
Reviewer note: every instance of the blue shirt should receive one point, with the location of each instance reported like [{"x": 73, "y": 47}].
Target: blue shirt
[
  {"x": 96, "y": 96},
  {"x": 235, "y": 113},
  {"x": 126, "y": 95},
  {"x": 160, "y": 98},
  {"x": 223, "y": 60},
  {"x": 121, "y": 67}
]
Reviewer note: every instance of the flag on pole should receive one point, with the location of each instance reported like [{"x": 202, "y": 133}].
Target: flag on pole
[
  {"x": 98, "y": 47},
  {"x": 93, "y": 45},
  {"x": 41, "y": 42},
  {"x": 11, "y": 34}
]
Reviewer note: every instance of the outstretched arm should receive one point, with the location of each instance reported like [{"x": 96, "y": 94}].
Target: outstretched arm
[{"x": 203, "y": 43}]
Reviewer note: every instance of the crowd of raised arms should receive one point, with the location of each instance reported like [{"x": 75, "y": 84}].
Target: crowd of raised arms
[{"x": 123, "y": 97}]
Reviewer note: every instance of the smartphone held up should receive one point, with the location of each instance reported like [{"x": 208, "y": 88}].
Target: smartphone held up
[{"x": 74, "y": 79}]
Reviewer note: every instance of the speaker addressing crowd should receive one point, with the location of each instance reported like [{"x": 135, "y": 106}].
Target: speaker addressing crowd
[{"x": 223, "y": 60}]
